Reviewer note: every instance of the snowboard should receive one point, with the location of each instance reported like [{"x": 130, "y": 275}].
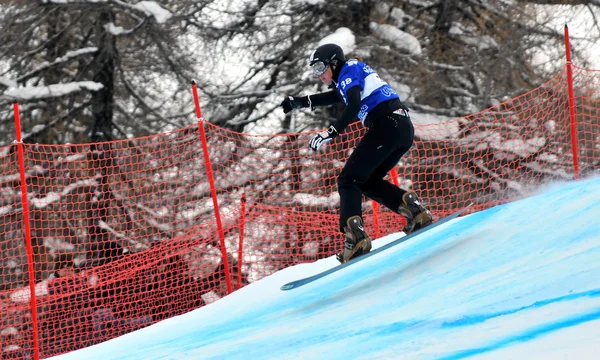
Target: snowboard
[{"x": 297, "y": 283}]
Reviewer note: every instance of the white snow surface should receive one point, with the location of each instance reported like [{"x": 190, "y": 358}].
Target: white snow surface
[
  {"x": 24, "y": 294},
  {"x": 152, "y": 8},
  {"x": 343, "y": 37},
  {"x": 518, "y": 281},
  {"x": 115, "y": 30},
  {"x": 42, "y": 92},
  {"x": 52, "y": 197},
  {"x": 8, "y": 82},
  {"x": 314, "y": 200},
  {"x": 399, "y": 38},
  {"x": 432, "y": 126}
]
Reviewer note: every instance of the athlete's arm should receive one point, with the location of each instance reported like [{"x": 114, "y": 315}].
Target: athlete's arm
[
  {"x": 323, "y": 99},
  {"x": 351, "y": 111}
]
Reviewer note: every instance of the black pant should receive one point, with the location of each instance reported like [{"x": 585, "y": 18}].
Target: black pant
[{"x": 380, "y": 149}]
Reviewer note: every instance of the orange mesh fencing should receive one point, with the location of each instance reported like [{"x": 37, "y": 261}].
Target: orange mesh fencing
[
  {"x": 124, "y": 232},
  {"x": 587, "y": 115}
]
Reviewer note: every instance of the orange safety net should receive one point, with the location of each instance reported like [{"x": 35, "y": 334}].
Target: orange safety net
[{"x": 124, "y": 232}]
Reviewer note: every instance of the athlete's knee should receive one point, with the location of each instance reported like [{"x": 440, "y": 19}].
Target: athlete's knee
[
  {"x": 344, "y": 180},
  {"x": 347, "y": 180}
]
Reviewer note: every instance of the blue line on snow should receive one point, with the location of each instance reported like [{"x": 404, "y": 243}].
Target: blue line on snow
[
  {"x": 474, "y": 319},
  {"x": 528, "y": 335}
]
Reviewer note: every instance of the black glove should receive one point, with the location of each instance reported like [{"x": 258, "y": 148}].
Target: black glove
[
  {"x": 292, "y": 102},
  {"x": 322, "y": 138}
]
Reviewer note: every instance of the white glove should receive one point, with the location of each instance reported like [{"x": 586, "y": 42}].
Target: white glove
[{"x": 322, "y": 138}]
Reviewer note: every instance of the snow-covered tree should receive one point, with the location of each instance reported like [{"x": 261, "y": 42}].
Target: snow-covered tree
[
  {"x": 91, "y": 70},
  {"x": 445, "y": 57},
  {"x": 94, "y": 70}
]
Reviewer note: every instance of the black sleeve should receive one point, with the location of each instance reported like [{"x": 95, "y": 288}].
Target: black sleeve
[
  {"x": 351, "y": 111},
  {"x": 322, "y": 99}
]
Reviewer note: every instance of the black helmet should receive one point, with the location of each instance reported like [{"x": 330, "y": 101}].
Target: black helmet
[{"x": 329, "y": 54}]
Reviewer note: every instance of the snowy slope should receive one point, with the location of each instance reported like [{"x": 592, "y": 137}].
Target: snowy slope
[{"x": 519, "y": 281}]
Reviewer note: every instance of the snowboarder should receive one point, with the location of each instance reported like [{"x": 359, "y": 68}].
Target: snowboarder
[{"x": 390, "y": 135}]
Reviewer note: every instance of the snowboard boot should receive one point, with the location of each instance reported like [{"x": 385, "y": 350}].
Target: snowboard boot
[
  {"x": 357, "y": 241},
  {"x": 416, "y": 215}
]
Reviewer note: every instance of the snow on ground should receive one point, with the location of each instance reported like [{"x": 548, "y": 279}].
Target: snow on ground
[{"x": 518, "y": 281}]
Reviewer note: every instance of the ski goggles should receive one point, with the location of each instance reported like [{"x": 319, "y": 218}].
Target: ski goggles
[{"x": 319, "y": 68}]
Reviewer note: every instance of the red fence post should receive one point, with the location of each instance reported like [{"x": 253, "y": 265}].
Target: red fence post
[
  {"x": 394, "y": 176},
  {"x": 25, "y": 203},
  {"x": 375, "y": 206},
  {"x": 241, "y": 244},
  {"x": 396, "y": 181},
  {"x": 571, "y": 104},
  {"x": 213, "y": 188}
]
